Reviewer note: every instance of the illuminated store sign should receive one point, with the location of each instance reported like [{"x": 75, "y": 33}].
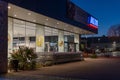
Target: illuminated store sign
[{"x": 92, "y": 22}]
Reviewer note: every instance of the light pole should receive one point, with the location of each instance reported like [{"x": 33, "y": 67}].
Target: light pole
[
  {"x": 114, "y": 45},
  {"x": 86, "y": 42}
]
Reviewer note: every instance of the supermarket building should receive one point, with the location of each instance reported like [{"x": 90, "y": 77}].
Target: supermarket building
[{"x": 45, "y": 25}]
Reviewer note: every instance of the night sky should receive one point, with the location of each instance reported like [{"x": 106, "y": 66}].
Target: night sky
[{"x": 106, "y": 11}]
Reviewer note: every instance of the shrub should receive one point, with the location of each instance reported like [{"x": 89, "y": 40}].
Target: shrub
[
  {"x": 93, "y": 56},
  {"x": 26, "y": 58}
]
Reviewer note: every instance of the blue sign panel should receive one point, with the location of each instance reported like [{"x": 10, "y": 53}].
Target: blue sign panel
[{"x": 93, "y": 21}]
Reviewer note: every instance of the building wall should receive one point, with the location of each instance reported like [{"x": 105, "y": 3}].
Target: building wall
[
  {"x": 112, "y": 46},
  {"x": 38, "y": 37},
  {"x": 3, "y": 36},
  {"x": 103, "y": 42}
]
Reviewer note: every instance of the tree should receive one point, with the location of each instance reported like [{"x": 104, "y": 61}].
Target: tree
[{"x": 114, "y": 31}]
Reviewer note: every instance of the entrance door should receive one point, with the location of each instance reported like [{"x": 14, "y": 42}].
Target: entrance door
[{"x": 70, "y": 47}]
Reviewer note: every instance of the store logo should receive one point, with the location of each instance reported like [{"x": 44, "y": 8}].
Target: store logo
[{"x": 92, "y": 22}]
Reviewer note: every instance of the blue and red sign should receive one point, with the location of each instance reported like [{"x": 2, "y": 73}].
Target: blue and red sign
[{"x": 92, "y": 22}]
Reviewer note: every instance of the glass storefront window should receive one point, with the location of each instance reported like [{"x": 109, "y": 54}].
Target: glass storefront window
[
  {"x": 51, "y": 39},
  {"x": 69, "y": 44},
  {"x": 24, "y": 34}
]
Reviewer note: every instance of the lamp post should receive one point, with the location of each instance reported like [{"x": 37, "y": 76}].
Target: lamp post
[
  {"x": 114, "y": 45},
  {"x": 86, "y": 42}
]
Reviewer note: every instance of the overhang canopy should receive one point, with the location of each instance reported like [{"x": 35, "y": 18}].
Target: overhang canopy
[{"x": 27, "y": 15}]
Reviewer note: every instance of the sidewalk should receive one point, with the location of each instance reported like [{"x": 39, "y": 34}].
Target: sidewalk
[
  {"x": 90, "y": 69},
  {"x": 14, "y": 76}
]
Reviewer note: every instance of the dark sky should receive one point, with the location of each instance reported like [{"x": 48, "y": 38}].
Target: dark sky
[{"x": 106, "y": 11}]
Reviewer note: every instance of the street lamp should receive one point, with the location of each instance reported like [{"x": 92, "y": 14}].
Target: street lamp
[
  {"x": 114, "y": 45},
  {"x": 86, "y": 42}
]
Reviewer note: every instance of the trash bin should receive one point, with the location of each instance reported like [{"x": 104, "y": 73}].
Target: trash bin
[{"x": 15, "y": 65}]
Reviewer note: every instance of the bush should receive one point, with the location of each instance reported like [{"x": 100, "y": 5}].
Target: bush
[
  {"x": 26, "y": 58},
  {"x": 93, "y": 56},
  {"x": 48, "y": 63}
]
